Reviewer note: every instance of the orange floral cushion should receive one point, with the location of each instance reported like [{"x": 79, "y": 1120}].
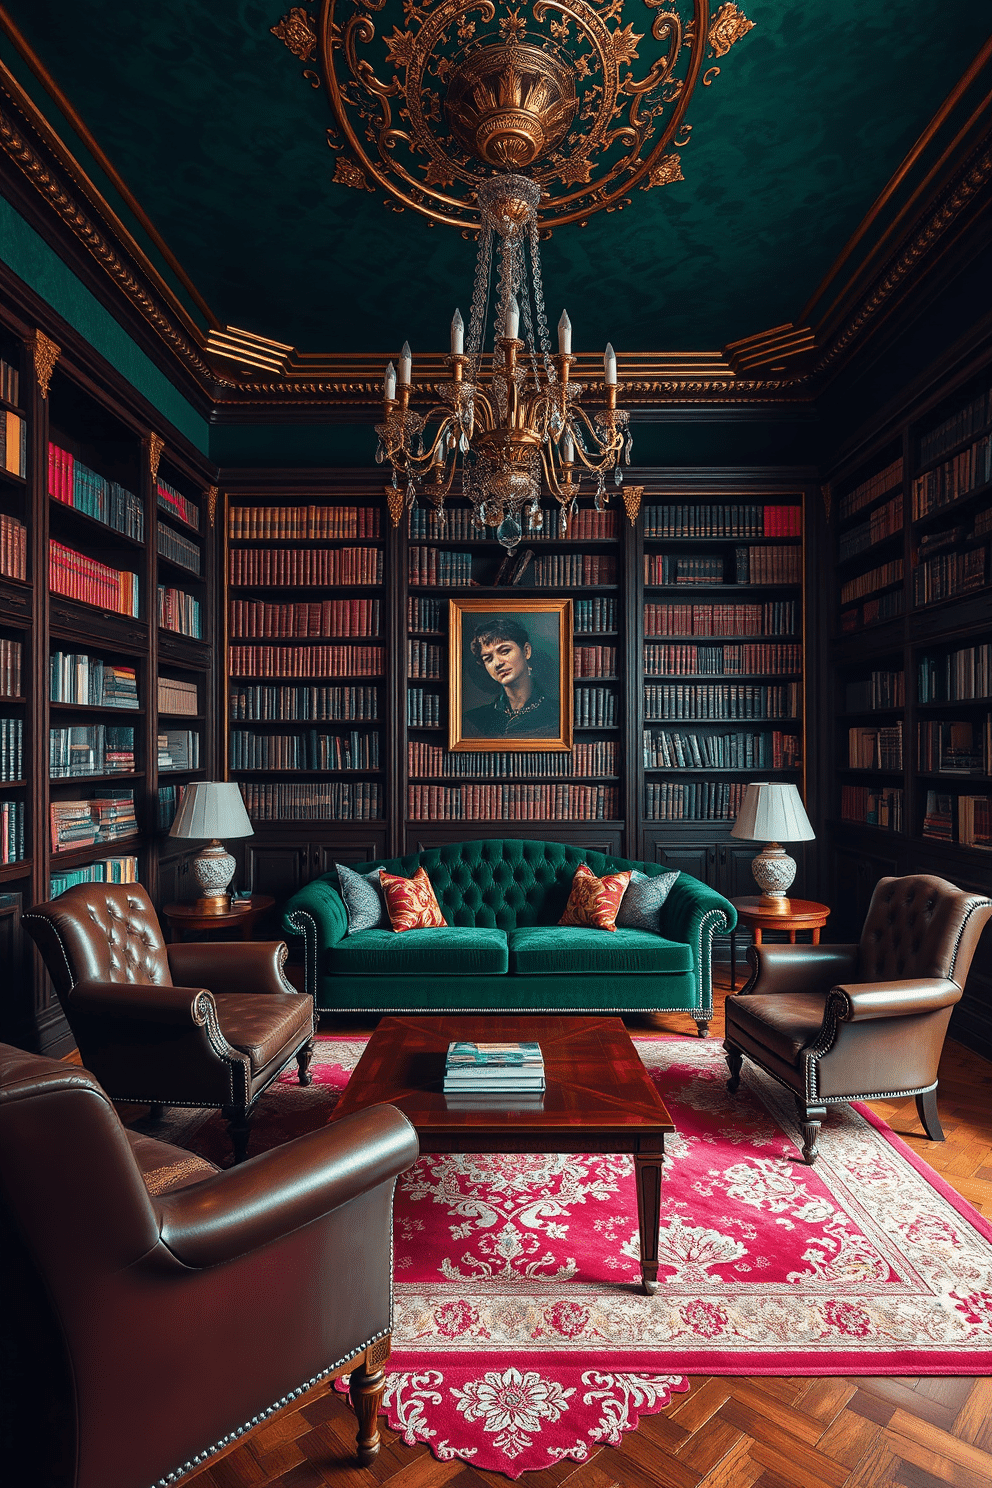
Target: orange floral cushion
[
  {"x": 594, "y": 901},
  {"x": 411, "y": 902}
]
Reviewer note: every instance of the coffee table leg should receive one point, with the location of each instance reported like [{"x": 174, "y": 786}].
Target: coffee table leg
[{"x": 648, "y": 1173}]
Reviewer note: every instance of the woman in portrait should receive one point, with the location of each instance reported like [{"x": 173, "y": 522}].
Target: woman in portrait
[{"x": 522, "y": 709}]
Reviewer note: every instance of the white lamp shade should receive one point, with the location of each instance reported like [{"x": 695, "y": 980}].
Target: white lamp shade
[
  {"x": 212, "y": 809},
  {"x": 772, "y": 813}
]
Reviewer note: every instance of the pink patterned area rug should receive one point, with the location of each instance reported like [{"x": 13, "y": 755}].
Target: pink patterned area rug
[{"x": 521, "y": 1337}]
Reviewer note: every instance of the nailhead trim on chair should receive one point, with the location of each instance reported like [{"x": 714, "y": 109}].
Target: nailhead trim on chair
[{"x": 835, "y": 1100}]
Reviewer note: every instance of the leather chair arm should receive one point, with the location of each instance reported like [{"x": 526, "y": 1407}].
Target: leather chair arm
[
  {"x": 231, "y": 965},
  {"x": 141, "y": 1003},
  {"x": 798, "y": 968},
  {"x": 269, "y": 1196},
  {"x": 858, "y": 1002}
]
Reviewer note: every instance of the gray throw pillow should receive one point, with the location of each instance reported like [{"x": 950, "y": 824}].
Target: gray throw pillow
[
  {"x": 643, "y": 899},
  {"x": 362, "y": 895}
]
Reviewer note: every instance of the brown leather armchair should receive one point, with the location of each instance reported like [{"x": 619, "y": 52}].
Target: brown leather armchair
[
  {"x": 209, "y": 1024},
  {"x": 179, "y": 1304},
  {"x": 861, "y": 1022}
]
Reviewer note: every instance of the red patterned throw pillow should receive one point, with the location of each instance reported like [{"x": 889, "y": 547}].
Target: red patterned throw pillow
[
  {"x": 593, "y": 902},
  {"x": 411, "y": 902}
]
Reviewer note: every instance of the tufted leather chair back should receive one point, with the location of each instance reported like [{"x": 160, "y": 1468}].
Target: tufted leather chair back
[
  {"x": 919, "y": 926},
  {"x": 102, "y": 932}
]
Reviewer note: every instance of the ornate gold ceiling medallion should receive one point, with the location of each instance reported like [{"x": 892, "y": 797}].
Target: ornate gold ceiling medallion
[{"x": 431, "y": 99}]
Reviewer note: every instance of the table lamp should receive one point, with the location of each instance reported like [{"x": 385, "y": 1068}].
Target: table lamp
[
  {"x": 212, "y": 809},
  {"x": 773, "y": 814}
]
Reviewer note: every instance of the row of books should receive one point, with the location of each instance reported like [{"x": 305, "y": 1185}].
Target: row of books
[
  {"x": 595, "y": 707},
  {"x": 178, "y": 749},
  {"x": 881, "y": 690},
  {"x": 975, "y": 822},
  {"x": 870, "y": 490},
  {"x": 953, "y": 480},
  {"x": 176, "y": 697},
  {"x": 938, "y": 816},
  {"x": 75, "y": 484},
  {"x": 424, "y": 659},
  {"x": 872, "y": 612},
  {"x": 723, "y": 521},
  {"x": 12, "y": 831},
  {"x": 680, "y": 660},
  {"x": 872, "y": 807},
  {"x": 352, "y": 800},
  {"x": 875, "y": 748},
  {"x": 776, "y": 617},
  {"x": 957, "y": 677},
  {"x": 13, "y": 443},
  {"x": 964, "y": 422},
  {"x": 309, "y": 751},
  {"x": 104, "y": 818},
  {"x": 693, "y": 800},
  {"x": 307, "y": 661},
  {"x": 169, "y": 797},
  {"x": 457, "y": 524},
  {"x": 959, "y": 747},
  {"x": 96, "y": 749},
  {"x": 179, "y": 612},
  {"x": 671, "y": 568},
  {"x": 328, "y": 617},
  {"x": 11, "y": 653},
  {"x": 427, "y": 615},
  {"x": 74, "y": 677},
  {"x": 512, "y": 802},
  {"x": 665, "y": 701},
  {"x": 573, "y": 570},
  {"x": 883, "y": 522},
  {"x": 595, "y": 661},
  {"x": 778, "y": 565},
  {"x": 11, "y": 749},
  {"x": 178, "y": 549},
  {"x": 13, "y": 548},
  {"x": 949, "y": 574},
  {"x": 438, "y": 567},
  {"x": 247, "y": 523},
  {"x": 595, "y": 616},
  {"x": 598, "y": 757},
  {"x": 423, "y": 709},
  {"x": 176, "y": 505},
  {"x": 671, "y": 749},
  {"x": 304, "y": 568},
  {"x": 78, "y": 577},
  {"x": 107, "y": 870},
  {"x": 875, "y": 578},
  {"x": 285, "y": 704},
  {"x": 10, "y": 382}
]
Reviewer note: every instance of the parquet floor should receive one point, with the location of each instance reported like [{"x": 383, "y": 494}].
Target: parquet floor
[{"x": 725, "y": 1433}]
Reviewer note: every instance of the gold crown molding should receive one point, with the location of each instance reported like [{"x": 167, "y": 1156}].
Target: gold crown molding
[
  {"x": 156, "y": 444},
  {"x": 45, "y": 354}
]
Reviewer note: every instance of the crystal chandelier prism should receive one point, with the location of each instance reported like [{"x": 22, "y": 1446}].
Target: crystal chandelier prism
[{"x": 507, "y": 438}]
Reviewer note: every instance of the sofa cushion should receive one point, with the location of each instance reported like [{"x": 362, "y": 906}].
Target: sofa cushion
[
  {"x": 450, "y": 951},
  {"x": 547, "y": 950},
  {"x": 640, "y": 907},
  {"x": 411, "y": 902},
  {"x": 593, "y": 902},
  {"x": 362, "y": 895}
]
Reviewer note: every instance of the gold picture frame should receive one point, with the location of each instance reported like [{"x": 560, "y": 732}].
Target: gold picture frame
[{"x": 522, "y": 681}]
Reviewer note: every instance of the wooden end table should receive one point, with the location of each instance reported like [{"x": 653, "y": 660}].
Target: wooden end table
[
  {"x": 599, "y": 1097},
  {"x": 241, "y": 916},
  {"x": 789, "y": 915}
]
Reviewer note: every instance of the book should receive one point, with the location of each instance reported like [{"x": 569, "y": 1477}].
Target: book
[
  {"x": 493, "y": 1068},
  {"x": 487, "y": 1056}
]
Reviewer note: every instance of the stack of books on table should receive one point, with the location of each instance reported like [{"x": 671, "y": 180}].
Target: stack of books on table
[{"x": 502, "y": 1075}]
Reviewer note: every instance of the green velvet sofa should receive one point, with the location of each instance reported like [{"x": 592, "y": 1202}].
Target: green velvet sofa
[{"x": 503, "y": 950}]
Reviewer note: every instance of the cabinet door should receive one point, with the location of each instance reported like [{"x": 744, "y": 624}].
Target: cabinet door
[
  {"x": 696, "y": 858},
  {"x": 176, "y": 884},
  {"x": 855, "y": 874},
  {"x": 278, "y": 869}
]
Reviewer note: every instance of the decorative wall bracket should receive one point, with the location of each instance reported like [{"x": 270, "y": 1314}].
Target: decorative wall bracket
[
  {"x": 45, "y": 354},
  {"x": 156, "y": 444},
  {"x": 431, "y": 99}
]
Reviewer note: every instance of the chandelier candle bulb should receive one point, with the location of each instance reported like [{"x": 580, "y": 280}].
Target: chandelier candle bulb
[
  {"x": 457, "y": 334},
  {"x": 406, "y": 365},
  {"x": 511, "y": 321},
  {"x": 565, "y": 334},
  {"x": 389, "y": 386},
  {"x": 610, "y": 365},
  {"x": 568, "y": 449}
]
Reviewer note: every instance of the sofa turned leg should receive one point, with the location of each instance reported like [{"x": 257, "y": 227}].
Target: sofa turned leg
[
  {"x": 735, "y": 1060},
  {"x": 703, "y": 1027},
  {"x": 366, "y": 1389},
  {"x": 239, "y": 1130},
  {"x": 926, "y": 1106},
  {"x": 809, "y": 1119},
  {"x": 303, "y": 1058}
]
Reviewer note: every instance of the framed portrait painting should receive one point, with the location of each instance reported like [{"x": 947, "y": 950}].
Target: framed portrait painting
[{"x": 510, "y": 674}]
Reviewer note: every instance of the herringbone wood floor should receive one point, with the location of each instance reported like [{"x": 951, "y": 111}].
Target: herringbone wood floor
[{"x": 726, "y": 1433}]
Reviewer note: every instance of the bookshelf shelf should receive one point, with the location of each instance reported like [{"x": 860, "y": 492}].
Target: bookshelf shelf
[
  {"x": 76, "y": 857},
  {"x": 115, "y": 777},
  {"x": 23, "y": 868},
  {"x": 94, "y": 532}
]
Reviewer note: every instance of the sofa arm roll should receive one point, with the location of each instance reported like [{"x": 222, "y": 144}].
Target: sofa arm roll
[
  {"x": 858, "y": 1002},
  {"x": 231, "y": 965},
  {"x": 260, "y": 1200},
  {"x": 688, "y": 904},
  {"x": 798, "y": 968},
  {"x": 317, "y": 913}
]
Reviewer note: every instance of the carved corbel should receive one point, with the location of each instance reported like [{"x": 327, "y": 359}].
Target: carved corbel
[{"x": 45, "y": 354}]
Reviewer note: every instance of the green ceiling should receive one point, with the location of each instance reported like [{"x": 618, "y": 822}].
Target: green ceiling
[{"x": 205, "y": 114}]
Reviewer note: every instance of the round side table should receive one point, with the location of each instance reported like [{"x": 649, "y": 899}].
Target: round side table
[
  {"x": 789, "y": 915},
  {"x": 241, "y": 916}
]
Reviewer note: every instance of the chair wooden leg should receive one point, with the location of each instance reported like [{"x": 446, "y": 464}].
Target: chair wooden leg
[
  {"x": 734, "y": 1060},
  {"x": 303, "y": 1058},
  {"x": 366, "y": 1389},
  {"x": 239, "y": 1130},
  {"x": 703, "y": 1027},
  {"x": 926, "y": 1106},
  {"x": 810, "y": 1118}
]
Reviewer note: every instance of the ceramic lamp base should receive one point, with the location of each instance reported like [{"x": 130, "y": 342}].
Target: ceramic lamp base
[
  {"x": 774, "y": 872},
  {"x": 213, "y": 869}
]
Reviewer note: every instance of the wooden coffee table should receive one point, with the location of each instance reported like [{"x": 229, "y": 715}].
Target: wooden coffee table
[{"x": 599, "y": 1097}]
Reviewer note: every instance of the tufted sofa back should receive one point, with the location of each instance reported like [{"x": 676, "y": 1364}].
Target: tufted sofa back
[
  {"x": 100, "y": 932},
  {"x": 503, "y": 883},
  {"x": 920, "y": 926}
]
